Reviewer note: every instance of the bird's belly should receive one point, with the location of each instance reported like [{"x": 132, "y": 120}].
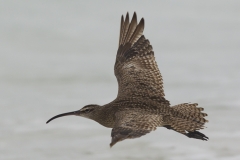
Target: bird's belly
[{"x": 107, "y": 124}]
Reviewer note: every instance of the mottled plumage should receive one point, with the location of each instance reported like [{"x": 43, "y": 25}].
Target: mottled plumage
[{"x": 140, "y": 106}]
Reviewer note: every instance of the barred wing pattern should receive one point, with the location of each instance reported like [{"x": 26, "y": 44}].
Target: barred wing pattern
[{"x": 135, "y": 68}]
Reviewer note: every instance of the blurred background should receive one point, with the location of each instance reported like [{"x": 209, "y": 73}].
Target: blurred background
[{"x": 57, "y": 56}]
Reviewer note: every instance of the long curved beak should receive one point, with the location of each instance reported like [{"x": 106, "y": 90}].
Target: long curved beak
[{"x": 63, "y": 114}]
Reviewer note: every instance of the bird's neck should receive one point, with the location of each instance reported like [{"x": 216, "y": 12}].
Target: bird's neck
[{"x": 104, "y": 116}]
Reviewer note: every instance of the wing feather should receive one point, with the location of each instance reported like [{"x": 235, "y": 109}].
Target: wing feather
[
  {"x": 135, "y": 67},
  {"x": 124, "y": 29},
  {"x": 131, "y": 28},
  {"x": 121, "y": 30},
  {"x": 138, "y": 32}
]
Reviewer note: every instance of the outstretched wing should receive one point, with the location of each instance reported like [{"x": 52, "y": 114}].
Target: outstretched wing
[
  {"x": 133, "y": 125},
  {"x": 135, "y": 68}
]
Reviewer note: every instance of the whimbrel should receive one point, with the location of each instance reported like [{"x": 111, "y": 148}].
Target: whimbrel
[{"x": 140, "y": 106}]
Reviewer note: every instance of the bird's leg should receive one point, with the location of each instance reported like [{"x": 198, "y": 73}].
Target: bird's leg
[
  {"x": 197, "y": 135},
  {"x": 194, "y": 134}
]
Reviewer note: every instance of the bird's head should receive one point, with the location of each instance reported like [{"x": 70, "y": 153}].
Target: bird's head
[{"x": 87, "y": 112}]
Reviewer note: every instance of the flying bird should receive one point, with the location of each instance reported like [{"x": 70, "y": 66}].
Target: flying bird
[{"x": 140, "y": 106}]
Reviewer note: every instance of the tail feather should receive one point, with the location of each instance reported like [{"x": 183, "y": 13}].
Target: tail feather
[
  {"x": 187, "y": 119},
  {"x": 184, "y": 125},
  {"x": 191, "y": 111}
]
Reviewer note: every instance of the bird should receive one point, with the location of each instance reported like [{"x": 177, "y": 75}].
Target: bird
[{"x": 140, "y": 105}]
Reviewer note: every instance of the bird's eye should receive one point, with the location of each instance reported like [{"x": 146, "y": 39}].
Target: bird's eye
[{"x": 87, "y": 110}]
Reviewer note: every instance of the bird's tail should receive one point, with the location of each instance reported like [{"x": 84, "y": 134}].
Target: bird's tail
[{"x": 186, "y": 119}]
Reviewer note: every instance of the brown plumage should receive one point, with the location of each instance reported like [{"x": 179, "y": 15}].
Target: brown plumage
[{"x": 140, "y": 106}]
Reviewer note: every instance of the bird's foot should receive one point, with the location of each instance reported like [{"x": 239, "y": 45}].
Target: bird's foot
[{"x": 197, "y": 135}]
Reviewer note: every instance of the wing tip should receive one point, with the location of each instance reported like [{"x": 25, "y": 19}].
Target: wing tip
[
  {"x": 142, "y": 21},
  {"x": 127, "y": 16},
  {"x": 126, "y": 35},
  {"x": 134, "y": 16}
]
